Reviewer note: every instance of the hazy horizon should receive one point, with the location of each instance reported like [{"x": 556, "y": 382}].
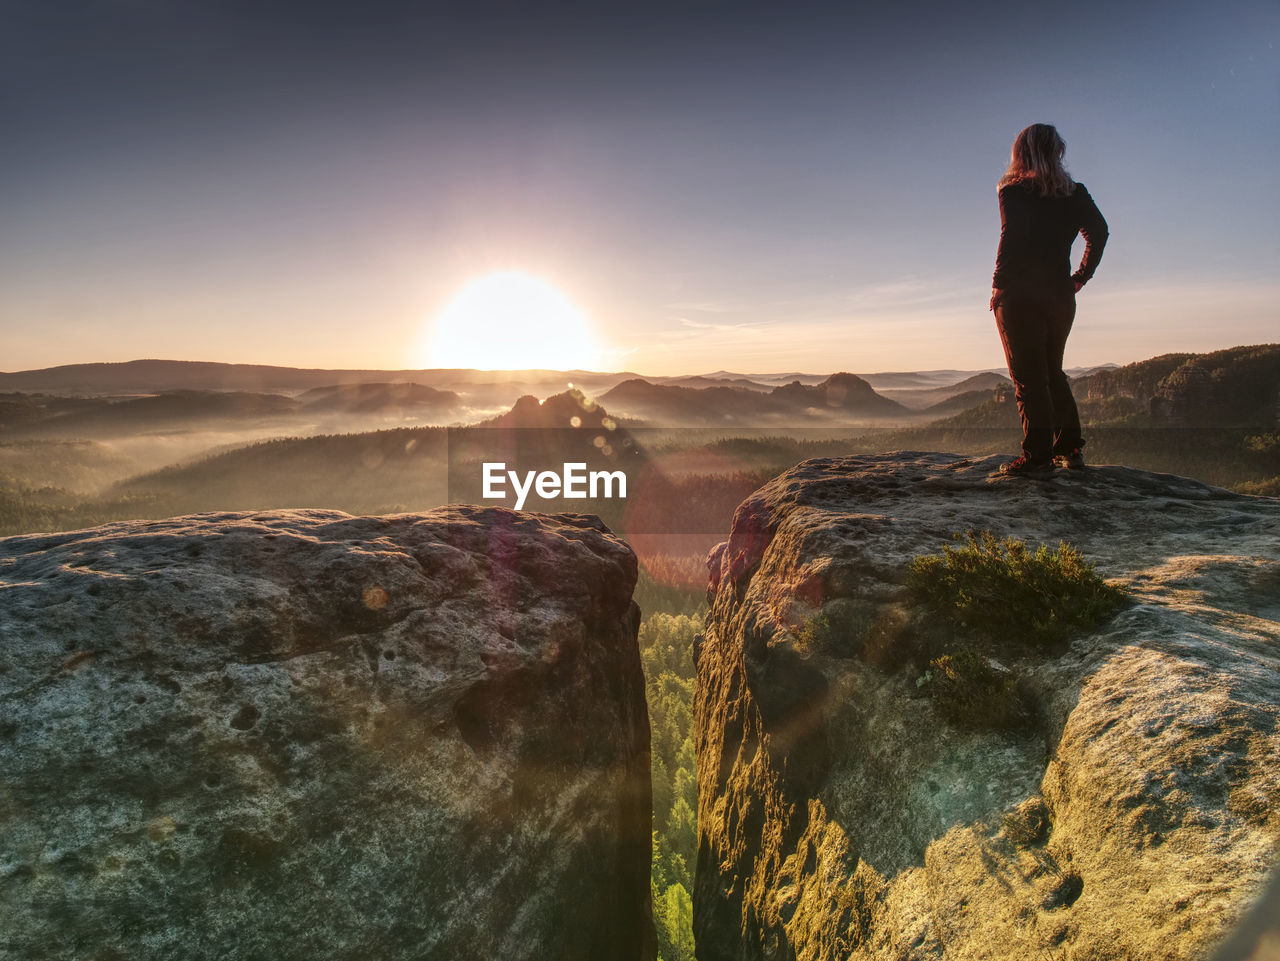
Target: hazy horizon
[
  {"x": 720, "y": 373},
  {"x": 671, "y": 188}
]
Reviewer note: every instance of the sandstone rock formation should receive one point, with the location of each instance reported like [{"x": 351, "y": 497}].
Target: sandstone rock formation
[
  {"x": 302, "y": 734},
  {"x": 840, "y": 816}
]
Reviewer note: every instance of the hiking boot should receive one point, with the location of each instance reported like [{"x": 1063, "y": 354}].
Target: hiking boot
[
  {"x": 1071, "y": 461},
  {"x": 1022, "y": 467}
]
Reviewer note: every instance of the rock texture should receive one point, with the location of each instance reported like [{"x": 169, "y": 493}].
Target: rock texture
[
  {"x": 302, "y": 734},
  {"x": 841, "y": 817}
]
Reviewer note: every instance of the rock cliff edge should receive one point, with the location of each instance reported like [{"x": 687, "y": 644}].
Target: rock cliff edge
[
  {"x": 841, "y": 816},
  {"x": 302, "y": 734}
]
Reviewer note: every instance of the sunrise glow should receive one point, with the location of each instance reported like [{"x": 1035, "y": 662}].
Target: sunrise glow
[{"x": 511, "y": 321}]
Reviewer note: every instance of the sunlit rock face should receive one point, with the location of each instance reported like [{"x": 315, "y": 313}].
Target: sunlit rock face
[
  {"x": 301, "y": 734},
  {"x": 841, "y": 816}
]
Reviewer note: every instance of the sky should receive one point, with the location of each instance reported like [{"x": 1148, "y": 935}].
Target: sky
[{"x": 699, "y": 185}]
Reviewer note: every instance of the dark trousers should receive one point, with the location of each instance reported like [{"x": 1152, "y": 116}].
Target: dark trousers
[{"x": 1033, "y": 328}]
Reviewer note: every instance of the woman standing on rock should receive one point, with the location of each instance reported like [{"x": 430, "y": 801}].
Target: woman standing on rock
[{"x": 1034, "y": 294}]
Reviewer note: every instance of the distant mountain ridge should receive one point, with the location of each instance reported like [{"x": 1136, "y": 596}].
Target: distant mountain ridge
[
  {"x": 154, "y": 375},
  {"x": 1224, "y": 408},
  {"x": 929, "y": 398},
  {"x": 145, "y": 376},
  {"x": 373, "y": 397},
  {"x": 104, "y": 416},
  {"x": 698, "y": 380},
  {"x": 92, "y": 398},
  {"x": 570, "y": 408},
  {"x": 1238, "y": 387},
  {"x": 841, "y": 394},
  {"x": 842, "y": 391}
]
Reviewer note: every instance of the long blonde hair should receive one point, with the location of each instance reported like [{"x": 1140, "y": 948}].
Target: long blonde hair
[{"x": 1036, "y": 158}]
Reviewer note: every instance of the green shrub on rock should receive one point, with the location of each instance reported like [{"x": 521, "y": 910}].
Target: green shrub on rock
[
  {"x": 1009, "y": 595},
  {"x": 995, "y": 596}
]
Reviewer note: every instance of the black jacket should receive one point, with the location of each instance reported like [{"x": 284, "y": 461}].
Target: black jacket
[{"x": 1036, "y": 234}]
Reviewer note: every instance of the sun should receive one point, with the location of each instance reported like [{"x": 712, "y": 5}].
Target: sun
[{"x": 511, "y": 321}]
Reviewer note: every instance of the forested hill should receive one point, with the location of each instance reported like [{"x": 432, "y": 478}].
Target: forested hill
[{"x": 1236, "y": 387}]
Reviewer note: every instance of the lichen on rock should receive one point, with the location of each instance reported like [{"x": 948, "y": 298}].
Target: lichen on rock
[{"x": 842, "y": 815}]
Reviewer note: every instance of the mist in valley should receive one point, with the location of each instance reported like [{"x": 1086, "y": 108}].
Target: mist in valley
[{"x": 101, "y": 446}]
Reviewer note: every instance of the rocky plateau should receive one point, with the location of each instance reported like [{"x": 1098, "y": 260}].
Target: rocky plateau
[
  {"x": 303, "y": 734},
  {"x": 841, "y": 816}
]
